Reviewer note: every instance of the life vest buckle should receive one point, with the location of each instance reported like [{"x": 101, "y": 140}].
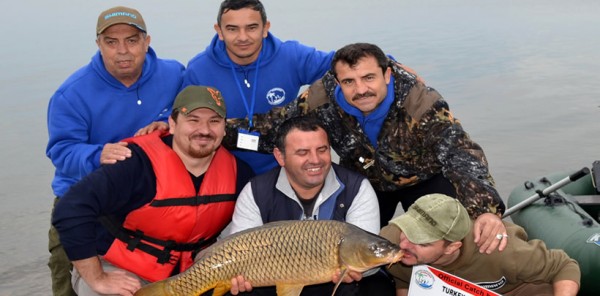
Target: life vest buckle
[{"x": 135, "y": 240}]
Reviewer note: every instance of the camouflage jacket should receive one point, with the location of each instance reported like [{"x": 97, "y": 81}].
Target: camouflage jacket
[{"x": 419, "y": 139}]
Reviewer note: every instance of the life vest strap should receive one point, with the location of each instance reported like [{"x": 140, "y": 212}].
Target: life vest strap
[
  {"x": 193, "y": 200},
  {"x": 135, "y": 240}
]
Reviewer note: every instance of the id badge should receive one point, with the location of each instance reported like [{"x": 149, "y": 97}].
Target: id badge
[{"x": 247, "y": 140}]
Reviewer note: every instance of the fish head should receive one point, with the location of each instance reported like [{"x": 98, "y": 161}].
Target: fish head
[{"x": 360, "y": 251}]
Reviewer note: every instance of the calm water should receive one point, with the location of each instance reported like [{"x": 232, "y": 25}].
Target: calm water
[{"x": 521, "y": 75}]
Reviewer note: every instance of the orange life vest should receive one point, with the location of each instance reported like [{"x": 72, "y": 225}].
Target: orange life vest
[{"x": 177, "y": 214}]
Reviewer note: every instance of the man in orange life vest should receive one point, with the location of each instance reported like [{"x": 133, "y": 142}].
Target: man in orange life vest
[{"x": 169, "y": 200}]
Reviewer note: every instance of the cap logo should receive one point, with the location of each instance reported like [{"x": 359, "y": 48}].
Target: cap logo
[
  {"x": 424, "y": 214},
  {"x": 131, "y": 15},
  {"x": 215, "y": 95},
  {"x": 183, "y": 109}
]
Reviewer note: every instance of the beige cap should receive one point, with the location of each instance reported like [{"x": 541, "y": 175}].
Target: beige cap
[
  {"x": 120, "y": 15},
  {"x": 434, "y": 217}
]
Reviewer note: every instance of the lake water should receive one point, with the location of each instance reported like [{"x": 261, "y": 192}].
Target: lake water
[{"x": 522, "y": 76}]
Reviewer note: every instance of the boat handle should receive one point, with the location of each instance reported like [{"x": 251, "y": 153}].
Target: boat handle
[{"x": 542, "y": 194}]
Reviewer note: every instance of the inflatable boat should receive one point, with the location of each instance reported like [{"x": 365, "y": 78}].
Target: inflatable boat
[{"x": 562, "y": 209}]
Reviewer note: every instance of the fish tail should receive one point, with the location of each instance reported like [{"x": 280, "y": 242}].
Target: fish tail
[{"x": 155, "y": 289}]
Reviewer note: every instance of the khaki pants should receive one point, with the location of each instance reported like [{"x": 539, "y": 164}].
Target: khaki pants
[{"x": 60, "y": 265}]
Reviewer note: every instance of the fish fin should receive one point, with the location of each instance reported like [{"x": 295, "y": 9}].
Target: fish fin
[
  {"x": 289, "y": 290},
  {"x": 344, "y": 272},
  {"x": 221, "y": 289},
  {"x": 154, "y": 289}
]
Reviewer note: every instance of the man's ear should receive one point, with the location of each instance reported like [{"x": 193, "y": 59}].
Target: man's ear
[
  {"x": 172, "y": 125},
  {"x": 453, "y": 247},
  {"x": 279, "y": 156},
  {"x": 219, "y": 32},
  {"x": 387, "y": 75},
  {"x": 266, "y": 29}
]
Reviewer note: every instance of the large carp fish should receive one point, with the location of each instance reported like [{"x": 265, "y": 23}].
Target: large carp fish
[{"x": 285, "y": 254}]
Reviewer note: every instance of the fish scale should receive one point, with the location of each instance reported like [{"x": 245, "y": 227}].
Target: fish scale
[{"x": 286, "y": 254}]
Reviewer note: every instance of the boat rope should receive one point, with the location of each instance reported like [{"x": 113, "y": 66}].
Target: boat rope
[{"x": 554, "y": 199}]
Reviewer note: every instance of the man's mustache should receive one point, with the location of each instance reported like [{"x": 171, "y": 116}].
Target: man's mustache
[
  {"x": 360, "y": 96},
  {"x": 200, "y": 136}
]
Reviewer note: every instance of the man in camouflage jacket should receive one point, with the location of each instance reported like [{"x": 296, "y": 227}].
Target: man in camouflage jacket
[{"x": 406, "y": 139}]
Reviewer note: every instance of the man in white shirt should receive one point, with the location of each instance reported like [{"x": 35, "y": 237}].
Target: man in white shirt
[{"x": 308, "y": 187}]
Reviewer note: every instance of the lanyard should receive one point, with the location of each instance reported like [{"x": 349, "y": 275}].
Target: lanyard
[{"x": 249, "y": 108}]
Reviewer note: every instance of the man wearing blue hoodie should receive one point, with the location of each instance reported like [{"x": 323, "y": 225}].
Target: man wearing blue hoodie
[
  {"x": 255, "y": 70},
  {"x": 124, "y": 88}
]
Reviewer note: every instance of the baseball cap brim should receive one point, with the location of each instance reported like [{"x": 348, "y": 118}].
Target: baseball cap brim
[{"x": 413, "y": 230}]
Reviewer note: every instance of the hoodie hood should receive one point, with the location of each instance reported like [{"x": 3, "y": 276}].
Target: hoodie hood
[
  {"x": 372, "y": 122},
  {"x": 147, "y": 70}
]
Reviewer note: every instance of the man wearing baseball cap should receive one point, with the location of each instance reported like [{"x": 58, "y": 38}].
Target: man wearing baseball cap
[
  {"x": 124, "y": 88},
  {"x": 437, "y": 230},
  {"x": 160, "y": 206}
]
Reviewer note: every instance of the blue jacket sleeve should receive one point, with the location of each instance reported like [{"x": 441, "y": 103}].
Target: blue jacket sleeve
[
  {"x": 312, "y": 64},
  {"x": 68, "y": 138}
]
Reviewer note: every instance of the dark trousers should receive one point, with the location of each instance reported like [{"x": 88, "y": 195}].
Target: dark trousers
[{"x": 388, "y": 201}]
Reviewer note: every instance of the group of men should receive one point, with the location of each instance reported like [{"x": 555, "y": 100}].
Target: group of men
[{"x": 153, "y": 159}]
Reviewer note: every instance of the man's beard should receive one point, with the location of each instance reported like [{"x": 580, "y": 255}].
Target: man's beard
[{"x": 202, "y": 151}]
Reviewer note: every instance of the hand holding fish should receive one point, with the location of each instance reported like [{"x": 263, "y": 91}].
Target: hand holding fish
[
  {"x": 349, "y": 277},
  {"x": 239, "y": 284},
  {"x": 118, "y": 282}
]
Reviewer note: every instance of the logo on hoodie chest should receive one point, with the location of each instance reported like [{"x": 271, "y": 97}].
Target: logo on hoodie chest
[{"x": 275, "y": 96}]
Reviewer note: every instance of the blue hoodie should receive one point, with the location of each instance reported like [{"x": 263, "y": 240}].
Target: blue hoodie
[
  {"x": 283, "y": 68},
  {"x": 92, "y": 108}
]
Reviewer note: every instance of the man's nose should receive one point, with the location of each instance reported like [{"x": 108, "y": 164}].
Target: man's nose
[{"x": 361, "y": 87}]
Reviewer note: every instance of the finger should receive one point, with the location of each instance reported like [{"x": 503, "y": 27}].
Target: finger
[
  {"x": 493, "y": 239},
  {"x": 234, "y": 287},
  {"x": 503, "y": 244},
  {"x": 118, "y": 152},
  {"x": 504, "y": 241},
  {"x": 123, "y": 152},
  {"x": 476, "y": 233},
  {"x": 240, "y": 283},
  {"x": 111, "y": 158},
  {"x": 140, "y": 132},
  {"x": 247, "y": 286},
  {"x": 336, "y": 276},
  {"x": 357, "y": 276},
  {"x": 120, "y": 147},
  {"x": 108, "y": 161},
  {"x": 130, "y": 288},
  {"x": 490, "y": 246}
]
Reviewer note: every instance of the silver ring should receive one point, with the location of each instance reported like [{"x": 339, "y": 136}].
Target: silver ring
[
  {"x": 499, "y": 236},
  {"x": 505, "y": 235}
]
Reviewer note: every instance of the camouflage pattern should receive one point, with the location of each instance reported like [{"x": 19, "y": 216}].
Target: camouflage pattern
[{"x": 420, "y": 138}]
